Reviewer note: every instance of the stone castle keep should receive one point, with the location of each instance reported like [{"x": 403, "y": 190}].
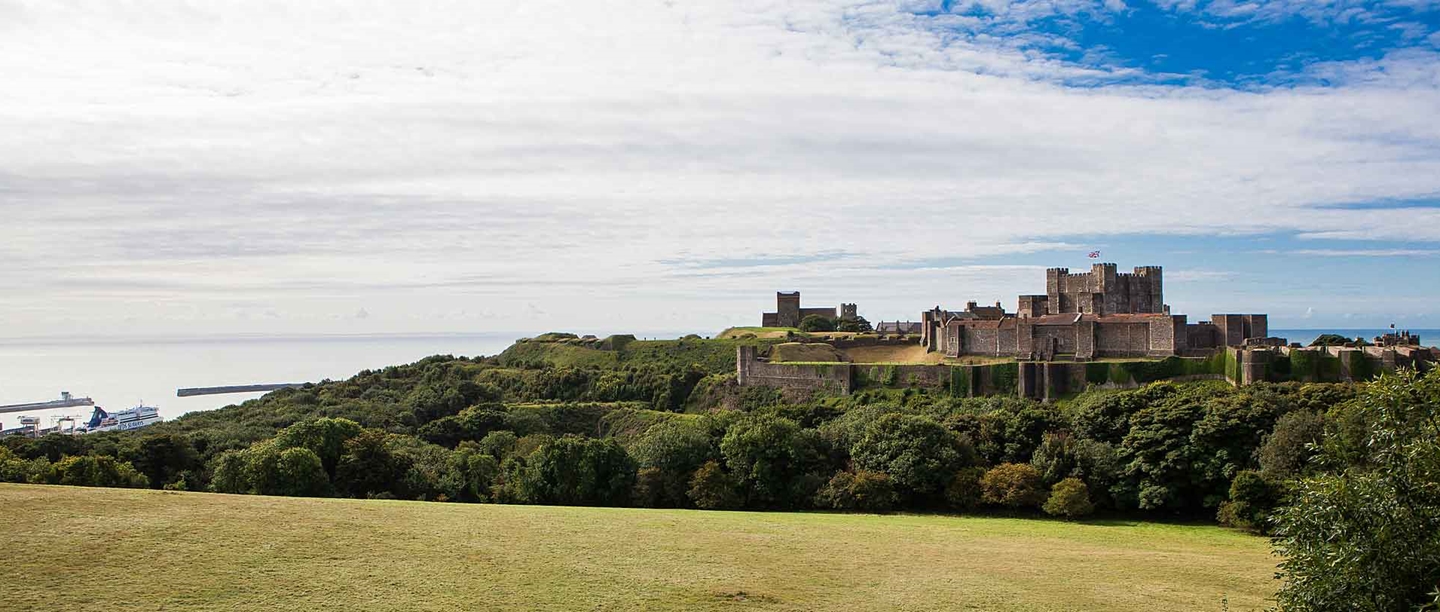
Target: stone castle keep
[
  {"x": 1100, "y": 314},
  {"x": 788, "y": 312}
]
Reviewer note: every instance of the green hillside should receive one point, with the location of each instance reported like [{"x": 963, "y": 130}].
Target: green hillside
[{"x": 81, "y": 549}]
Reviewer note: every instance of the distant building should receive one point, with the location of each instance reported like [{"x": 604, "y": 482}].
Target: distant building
[
  {"x": 898, "y": 327},
  {"x": 1099, "y": 314},
  {"x": 788, "y": 312}
]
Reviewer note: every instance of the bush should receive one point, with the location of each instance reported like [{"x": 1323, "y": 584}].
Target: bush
[
  {"x": 863, "y": 491},
  {"x": 1252, "y": 498},
  {"x": 817, "y": 323},
  {"x": 1013, "y": 485},
  {"x": 1365, "y": 538},
  {"x": 96, "y": 471},
  {"x": 713, "y": 489},
  {"x": 1069, "y": 498},
  {"x": 964, "y": 491}
]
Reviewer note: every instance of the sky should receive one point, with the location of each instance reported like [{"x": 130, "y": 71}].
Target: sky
[{"x": 189, "y": 168}]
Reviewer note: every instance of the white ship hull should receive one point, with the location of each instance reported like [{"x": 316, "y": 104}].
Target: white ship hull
[{"x": 126, "y": 420}]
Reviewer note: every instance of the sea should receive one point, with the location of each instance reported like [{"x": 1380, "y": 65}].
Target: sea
[{"x": 123, "y": 372}]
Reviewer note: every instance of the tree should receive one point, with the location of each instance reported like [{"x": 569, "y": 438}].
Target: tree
[
  {"x": 1332, "y": 340},
  {"x": 1365, "y": 537},
  {"x": 817, "y": 323},
  {"x": 1013, "y": 485},
  {"x": 480, "y": 470},
  {"x": 855, "y": 325},
  {"x": 1057, "y": 457},
  {"x": 369, "y": 467},
  {"x": 228, "y": 473},
  {"x": 577, "y": 471},
  {"x": 668, "y": 455},
  {"x": 96, "y": 471},
  {"x": 300, "y": 473},
  {"x": 919, "y": 454},
  {"x": 1288, "y": 449},
  {"x": 863, "y": 491},
  {"x": 163, "y": 457},
  {"x": 776, "y": 459},
  {"x": 713, "y": 489},
  {"x": 498, "y": 444},
  {"x": 1069, "y": 498},
  {"x": 326, "y": 437},
  {"x": 1253, "y": 497}
]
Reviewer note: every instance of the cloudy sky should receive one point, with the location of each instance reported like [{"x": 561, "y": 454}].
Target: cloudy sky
[{"x": 364, "y": 166}]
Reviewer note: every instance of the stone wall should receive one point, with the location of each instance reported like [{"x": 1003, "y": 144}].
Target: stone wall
[
  {"x": 1038, "y": 380},
  {"x": 750, "y": 371},
  {"x": 1122, "y": 339}
]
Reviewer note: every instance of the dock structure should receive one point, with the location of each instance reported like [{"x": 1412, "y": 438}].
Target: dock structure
[
  {"x": 193, "y": 391},
  {"x": 65, "y": 401}
]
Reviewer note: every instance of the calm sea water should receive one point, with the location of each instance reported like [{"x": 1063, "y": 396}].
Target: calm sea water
[{"x": 120, "y": 373}]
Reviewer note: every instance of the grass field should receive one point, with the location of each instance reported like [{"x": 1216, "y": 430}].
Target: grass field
[{"x": 71, "y": 548}]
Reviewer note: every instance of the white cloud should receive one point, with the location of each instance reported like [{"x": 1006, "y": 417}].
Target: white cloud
[{"x": 200, "y": 162}]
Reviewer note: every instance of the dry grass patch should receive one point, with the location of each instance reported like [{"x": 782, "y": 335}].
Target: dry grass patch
[{"x": 107, "y": 549}]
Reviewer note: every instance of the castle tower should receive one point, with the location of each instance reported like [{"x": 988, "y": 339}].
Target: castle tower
[
  {"x": 1055, "y": 289},
  {"x": 1151, "y": 290},
  {"x": 1109, "y": 294},
  {"x": 848, "y": 311},
  {"x": 787, "y": 307}
]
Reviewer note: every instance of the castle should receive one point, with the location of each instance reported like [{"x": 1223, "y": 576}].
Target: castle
[
  {"x": 1100, "y": 314},
  {"x": 788, "y": 312},
  {"x": 1102, "y": 327}
]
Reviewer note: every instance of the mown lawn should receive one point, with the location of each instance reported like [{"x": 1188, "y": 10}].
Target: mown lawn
[{"x": 71, "y": 548}]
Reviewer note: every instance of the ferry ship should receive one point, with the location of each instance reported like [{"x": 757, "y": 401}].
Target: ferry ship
[{"x": 124, "y": 420}]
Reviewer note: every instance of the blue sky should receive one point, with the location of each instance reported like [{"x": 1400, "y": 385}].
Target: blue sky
[
  {"x": 1221, "y": 44},
  {"x": 331, "y": 166}
]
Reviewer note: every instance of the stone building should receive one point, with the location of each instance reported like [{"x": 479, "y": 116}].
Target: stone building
[
  {"x": 1081, "y": 317},
  {"x": 788, "y": 312}
]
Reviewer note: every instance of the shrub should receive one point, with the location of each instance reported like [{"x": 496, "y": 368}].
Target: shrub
[
  {"x": 96, "y": 471},
  {"x": 1069, "y": 498},
  {"x": 1365, "y": 538},
  {"x": 964, "y": 491},
  {"x": 861, "y": 490},
  {"x": 1252, "y": 498},
  {"x": 1013, "y": 485},
  {"x": 817, "y": 323},
  {"x": 713, "y": 489}
]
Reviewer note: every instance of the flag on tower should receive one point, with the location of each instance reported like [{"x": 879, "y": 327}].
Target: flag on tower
[{"x": 1094, "y": 255}]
